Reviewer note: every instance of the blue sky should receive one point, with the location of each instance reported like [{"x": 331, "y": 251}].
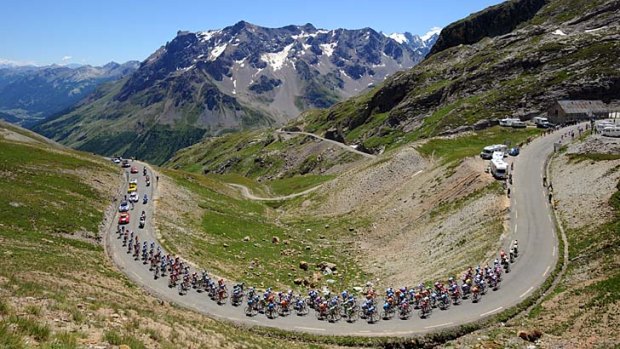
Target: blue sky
[{"x": 96, "y": 32}]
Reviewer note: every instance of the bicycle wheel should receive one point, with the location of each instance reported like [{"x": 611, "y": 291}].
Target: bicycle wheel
[
  {"x": 249, "y": 310},
  {"x": 353, "y": 315},
  {"x": 374, "y": 317}
]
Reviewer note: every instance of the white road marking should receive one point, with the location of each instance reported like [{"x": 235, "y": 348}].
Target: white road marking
[
  {"x": 550, "y": 220},
  {"x": 446, "y": 324},
  {"x": 526, "y": 292},
  {"x": 516, "y": 214},
  {"x": 491, "y": 312},
  {"x": 554, "y": 251},
  {"x": 363, "y": 331},
  {"x": 516, "y": 226},
  {"x": 547, "y": 270},
  {"x": 233, "y": 319},
  {"x": 309, "y": 328}
]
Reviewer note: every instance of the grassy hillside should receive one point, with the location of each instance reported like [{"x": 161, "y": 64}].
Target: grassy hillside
[
  {"x": 295, "y": 162},
  {"x": 218, "y": 227},
  {"x": 519, "y": 74},
  {"x": 57, "y": 287}
]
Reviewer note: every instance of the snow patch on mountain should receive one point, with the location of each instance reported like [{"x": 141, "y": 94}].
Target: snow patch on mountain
[
  {"x": 431, "y": 33},
  {"x": 398, "y": 37},
  {"x": 328, "y": 49},
  {"x": 276, "y": 60},
  {"x": 206, "y": 36},
  {"x": 217, "y": 51}
]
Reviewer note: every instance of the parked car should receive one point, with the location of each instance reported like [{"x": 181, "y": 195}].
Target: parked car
[
  {"x": 514, "y": 151},
  {"x": 124, "y": 218},
  {"x": 545, "y": 124},
  {"x": 124, "y": 206}
]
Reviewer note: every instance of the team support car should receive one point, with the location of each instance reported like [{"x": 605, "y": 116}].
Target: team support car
[
  {"x": 514, "y": 151},
  {"x": 132, "y": 188},
  {"x": 124, "y": 218},
  {"x": 123, "y": 207},
  {"x": 133, "y": 180},
  {"x": 134, "y": 197},
  {"x": 134, "y": 169}
]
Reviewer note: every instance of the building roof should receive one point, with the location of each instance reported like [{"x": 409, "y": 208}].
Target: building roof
[{"x": 583, "y": 107}]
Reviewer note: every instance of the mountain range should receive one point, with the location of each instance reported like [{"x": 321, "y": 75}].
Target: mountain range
[
  {"x": 242, "y": 76},
  {"x": 30, "y": 94},
  {"x": 514, "y": 59}
]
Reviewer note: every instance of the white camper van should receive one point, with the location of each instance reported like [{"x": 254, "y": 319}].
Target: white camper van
[
  {"x": 507, "y": 122},
  {"x": 498, "y": 155},
  {"x": 539, "y": 120},
  {"x": 487, "y": 152},
  {"x": 601, "y": 125},
  {"x": 499, "y": 168},
  {"x": 611, "y": 131}
]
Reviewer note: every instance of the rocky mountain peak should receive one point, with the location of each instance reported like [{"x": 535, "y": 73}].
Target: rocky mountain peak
[{"x": 241, "y": 76}]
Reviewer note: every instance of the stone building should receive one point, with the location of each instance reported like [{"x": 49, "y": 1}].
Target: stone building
[{"x": 562, "y": 112}]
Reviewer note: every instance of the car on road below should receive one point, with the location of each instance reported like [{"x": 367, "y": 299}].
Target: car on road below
[
  {"x": 124, "y": 218},
  {"x": 132, "y": 187},
  {"x": 133, "y": 180},
  {"x": 116, "y": 160},
  {"x": 123, "y": 207},
  {"x": 514, "y": 151},
  {"x": 125, "y": 163},
  {"x": 134, "y": 197},
  {"x": 134, "y": 169}
]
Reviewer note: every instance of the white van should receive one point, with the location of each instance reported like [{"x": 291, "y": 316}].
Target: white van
[
  {"x": 539, "y": 120},
  {"x": 487, "y": 152},
  {"x": 518, "y": 124},
  {"x": 611, "y": 131},
  {"x": 601, "y": 125},
  {"x": 499, "y": 168},
  {"x": 507, "y": 122},
  {"x": 498, "y": 155}
]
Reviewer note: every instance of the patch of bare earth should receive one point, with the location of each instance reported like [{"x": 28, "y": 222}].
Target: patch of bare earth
[{"x": 415, "y": 223}]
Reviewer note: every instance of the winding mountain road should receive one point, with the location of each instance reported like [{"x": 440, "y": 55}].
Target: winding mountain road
[
  {"x": 338, "y": 144},
  {"x": 530, "y": 221}
]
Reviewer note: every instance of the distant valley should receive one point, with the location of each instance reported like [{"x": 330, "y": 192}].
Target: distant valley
[{"x": 30, "y": 94}]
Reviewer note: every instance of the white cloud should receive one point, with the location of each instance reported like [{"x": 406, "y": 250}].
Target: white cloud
[{"x": 66, "y": 58}]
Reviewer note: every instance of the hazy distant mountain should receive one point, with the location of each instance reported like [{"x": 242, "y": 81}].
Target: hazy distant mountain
[
  {"x": 238, "y": 77},
  {"x": 29, "y": 93}
]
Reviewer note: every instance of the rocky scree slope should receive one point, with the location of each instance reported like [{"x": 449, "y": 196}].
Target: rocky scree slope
[
  {"x": 30, "y": 94},
  {"x": 242, "y": 76},
  {"x": 564, "y": 50}
]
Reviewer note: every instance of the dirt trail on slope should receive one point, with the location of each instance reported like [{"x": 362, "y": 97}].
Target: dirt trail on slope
[
  {"x": 338, "y": 144},
  {"x": 246, "y": 193}
]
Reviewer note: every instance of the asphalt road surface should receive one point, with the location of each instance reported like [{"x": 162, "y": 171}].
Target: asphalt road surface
[{"x": 530, "y": 223}]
